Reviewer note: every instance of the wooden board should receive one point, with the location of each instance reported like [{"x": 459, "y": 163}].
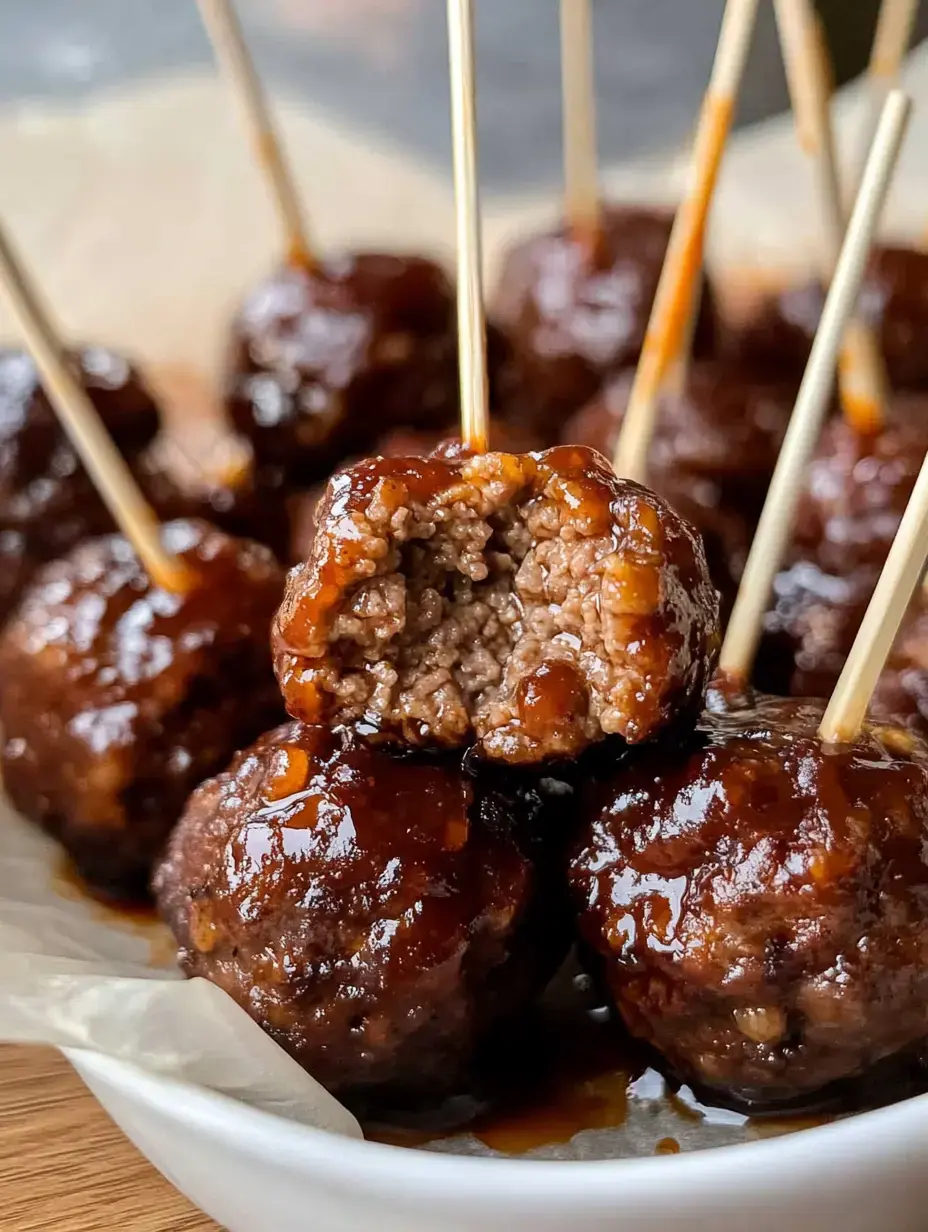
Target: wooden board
[{"x": 64, "y": 1166}]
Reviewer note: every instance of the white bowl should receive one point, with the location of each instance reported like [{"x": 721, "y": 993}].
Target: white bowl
[{"x": 254, "y": 1172}]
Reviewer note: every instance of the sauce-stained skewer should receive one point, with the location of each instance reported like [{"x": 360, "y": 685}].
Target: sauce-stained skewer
[
  {"x": 81, "y": 421},
  {"x": 670, "y": 327}
]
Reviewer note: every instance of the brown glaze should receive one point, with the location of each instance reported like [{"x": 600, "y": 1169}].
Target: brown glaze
[
  {"x": 760, "y": 900},
  {"x": 437, "y": 589},
  {"x": 853, "y": 497},
  {"x": 901, "y": 694},
  {"x": 400, "y": 443},
  {"x": 47, "y": 501},
  {"x": 712, "y": 455},
  {"x": 119, "y": 698},
  {"x": 323, "y": 362},
  {"x": 575, "y": 315},
  {"x": 894, "y": 300},
  {"x": 377, "y": 915}
]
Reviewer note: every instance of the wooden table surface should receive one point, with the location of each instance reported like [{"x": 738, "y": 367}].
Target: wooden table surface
[{"x": 64, "y": 1166}]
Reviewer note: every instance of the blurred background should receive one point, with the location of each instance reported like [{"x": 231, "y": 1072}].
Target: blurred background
[{"x": 380, "y": 66}]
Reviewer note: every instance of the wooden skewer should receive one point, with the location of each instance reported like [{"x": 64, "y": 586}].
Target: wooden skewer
[
  {"x": 862, "y": 376},
  {"x": 578, "y": 97},
  {"x": 472, "y": 346},
  {"x": 674, "y": 303},
  {"x": 775, "y": 525},
  {"x": 890, "y": 45},
  {"x": 845, "y": 713},
  {"x": 79, "y": 417},
  {"x": 228, "y": 40}
]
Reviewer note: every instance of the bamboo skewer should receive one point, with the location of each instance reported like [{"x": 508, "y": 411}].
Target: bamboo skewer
[
  {"x": 578, "y": 99},
  {"x": 231, "y": 50},
  {"x": 105, "y": 464},
  {"x": 845, "y": 713},
  {"x": 890, "y": 45},
  {"x": 862, "y": 378},
  {"x": 775, "y": 525},
  {"x": 472, "y": 346},
  {"x": 674, "y": 304}
]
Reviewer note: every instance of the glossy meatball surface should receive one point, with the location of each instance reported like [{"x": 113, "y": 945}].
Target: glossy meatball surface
[
  {"x": 532, "y": 602},
  {"x": 47, "y": 500},
  {"x": 324, "y": 361},
  {"x": 575, "y": 315},
  {"x": 894, "y": 300},
  {"x": 377, "y": 915},
  {"x": 761, "y": 901},
  {"x": 118, "y": 698}
]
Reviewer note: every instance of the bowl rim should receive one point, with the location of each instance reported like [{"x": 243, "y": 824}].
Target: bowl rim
[{"x": 306, "y": 1149}]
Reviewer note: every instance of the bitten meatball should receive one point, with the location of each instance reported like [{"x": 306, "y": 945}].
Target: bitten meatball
[
  {"x": 47, "y": 500},
  {"x": 324, "y": 361},
  {"x": 854, "y": 494},
  {"x": 894, "y": 300},
  {"x": 378, "y": 916},
  {"x": 712, "y": 455},
  {"x": 118, "y": 698},
  {"x": 761, "y": 901},
  {"x": 533, "y": 602},
  {"x": 574, "y": 317}
]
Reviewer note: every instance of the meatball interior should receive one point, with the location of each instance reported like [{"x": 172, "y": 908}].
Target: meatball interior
[
  {"x": 377, "y": 915},
  {"x": 118, "y": 698},
  {"x": 534, "y": 601},
  {"x": 761, "y": 901}
]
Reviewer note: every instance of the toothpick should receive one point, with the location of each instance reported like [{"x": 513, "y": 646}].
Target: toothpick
[
  {"x": 105, "y": 464},
  {"x": 845, "y": 713},
  {"x": 862, "y": 378},
  {"x": 776, "y": 520},
  {"x": 472, "y": 359},
  {"x": 675, "y": 302},
  {"x": 890, "y": 45},
  {"x": 578, "y": 100},
  {"x": 231, "y": 50}
]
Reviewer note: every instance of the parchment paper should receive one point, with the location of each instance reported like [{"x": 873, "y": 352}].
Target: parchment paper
[{"x": 144, "y": 220}]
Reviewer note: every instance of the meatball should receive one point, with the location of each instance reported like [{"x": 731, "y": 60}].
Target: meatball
[
  {"x": 712, "y": 455},
  {"x": 894, "y": 300},
  {"x": 574, "y": 317},
  {"x": 324, "y": 361},
  {"x": 119, "y": 698},
  {"x": 854, "y": 495},
  {"x": 761, "y": 901},
  {"x": 47, "y": 500},
  {"x": 533, "y": 602},
  {"x": 378, "y": 916},
  {"x": 401, "y": 443},
  {"x": 901, "y": 694}
]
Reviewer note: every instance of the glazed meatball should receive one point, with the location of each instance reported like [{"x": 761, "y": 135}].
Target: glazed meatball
[
  {"x": 901, "y": 694},
  {"x": 324, "y": 361},
  {"x": 854, "y": 495},
  {"x": 712, "y": 455},
  {"x": 47, "y": 500},
  {"x": 118, "y": 698},
  {"x": 401, "y": 443},
  {"x": 761, "y": 901},
  {"x": 574, "y": 317},
  {"x": 378, "y": 916},
  {"x": 532, "y": 602},
  {"x": 894, "y": 300}
]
